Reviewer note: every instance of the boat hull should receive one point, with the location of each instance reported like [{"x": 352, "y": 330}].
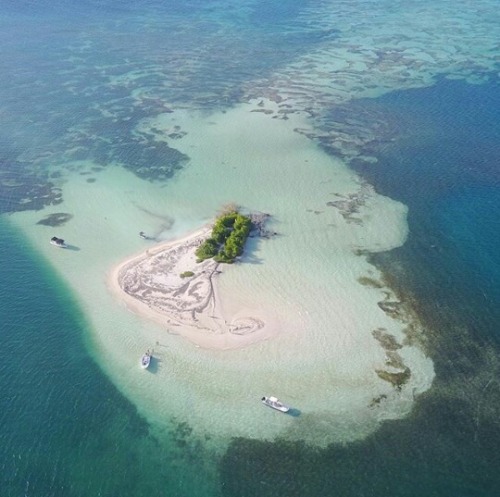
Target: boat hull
[
  {"x": 145, "y": 361},
  {"x": 60, "y": 245},
  {"x": 274, "y": 403}
]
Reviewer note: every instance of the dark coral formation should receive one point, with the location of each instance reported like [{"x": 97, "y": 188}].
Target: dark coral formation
[
  {"x": 351, "y": 204},
  {"x": 395, "y": 371},
  {"x": 387, "y": 340},
  {"x": 56, "y": 219},
  {"x": 150, "y": 160},
  {"x": 397, "y": 379},
  {"x": 367, "y": 281},
  {"x": 259, "y": 220},
  {"x": 23, "y": 189}
]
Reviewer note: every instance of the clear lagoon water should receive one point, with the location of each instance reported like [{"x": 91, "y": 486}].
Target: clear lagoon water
[{"x": 77, "y": 78}]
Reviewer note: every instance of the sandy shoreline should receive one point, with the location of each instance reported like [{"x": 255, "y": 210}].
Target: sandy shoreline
[{"x": 150, "y": 285}]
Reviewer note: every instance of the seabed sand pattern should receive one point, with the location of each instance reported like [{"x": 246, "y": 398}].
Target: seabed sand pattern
[{"x": 316, "y": 349}]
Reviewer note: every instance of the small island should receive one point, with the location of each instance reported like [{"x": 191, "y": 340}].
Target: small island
[{"x": 176, "y": 283}]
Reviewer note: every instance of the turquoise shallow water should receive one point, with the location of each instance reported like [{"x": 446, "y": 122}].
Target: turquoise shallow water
[{"x": 65, "y": 430}]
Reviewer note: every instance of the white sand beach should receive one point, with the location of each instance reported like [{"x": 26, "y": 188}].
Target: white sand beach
[
  {"x": 331, "y": 339},
  {"x": 151, "y": 285}
]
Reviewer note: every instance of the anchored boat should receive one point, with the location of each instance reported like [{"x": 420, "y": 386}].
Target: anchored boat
[
  {"x": 58, "y": 242},
  {"x": 275, "y": 404},
  {"x": 146, "y": 360}
]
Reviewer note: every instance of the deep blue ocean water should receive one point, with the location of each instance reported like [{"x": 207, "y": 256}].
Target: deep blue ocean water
[
  {"x": 445, "y": 165},
  {"x": 65, "y": 430}
]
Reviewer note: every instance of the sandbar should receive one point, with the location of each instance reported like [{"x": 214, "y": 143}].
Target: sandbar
[{"x": 150, "y": 284}]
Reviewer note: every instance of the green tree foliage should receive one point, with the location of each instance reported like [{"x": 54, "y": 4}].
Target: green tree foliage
[
  {"x": 207, "y": 249},
  {"x": 227, "y": 219},
  {"x": 228, "y": 238},
  {"x": 242, "y": 224},
  {"x": 220, "y": 233}
]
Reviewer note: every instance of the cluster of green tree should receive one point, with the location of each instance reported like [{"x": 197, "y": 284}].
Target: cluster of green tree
[{"x": 228, "y": 238}]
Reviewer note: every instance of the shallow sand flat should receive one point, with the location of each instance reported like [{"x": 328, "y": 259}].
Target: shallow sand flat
[{"x": 322, "y": 358}]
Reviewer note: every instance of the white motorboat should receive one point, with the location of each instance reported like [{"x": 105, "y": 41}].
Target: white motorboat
[
  {"x": 58, "y": 242},
  {"x": 146, "y": 360},
  {"x": 275, "y": 404}
]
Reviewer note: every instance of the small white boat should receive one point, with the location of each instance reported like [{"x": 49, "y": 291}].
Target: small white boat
[
  {"x": 275, "y": 404},
  {"x": 58, "y": 242},
  {"x": 146, "y": 360}
]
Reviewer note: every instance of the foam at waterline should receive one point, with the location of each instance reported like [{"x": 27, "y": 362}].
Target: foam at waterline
[{"x": 324, "y": 358}]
